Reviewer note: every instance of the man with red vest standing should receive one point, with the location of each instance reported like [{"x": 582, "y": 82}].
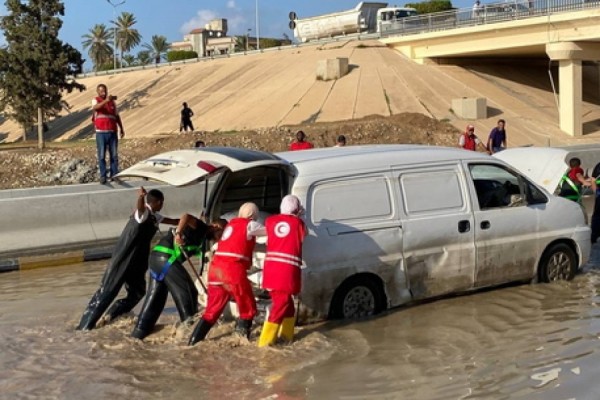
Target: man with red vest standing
[
  {"x": 227, "y": 274},
  {"x": 107, "y": 124},
  {"x": 469, "y": 140},
  {"x": 282, "y": 275}
]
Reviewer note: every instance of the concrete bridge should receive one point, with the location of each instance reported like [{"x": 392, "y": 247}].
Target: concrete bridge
[{"x": 565, "y": 32}]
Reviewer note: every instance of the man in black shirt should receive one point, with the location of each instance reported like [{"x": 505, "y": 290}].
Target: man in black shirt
[{"x": 186, "y": 119}]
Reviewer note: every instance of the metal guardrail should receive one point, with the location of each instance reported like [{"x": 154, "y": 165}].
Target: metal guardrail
[
  {"x": 482, "y": 15},
  {"x": 464, "y": 17}
]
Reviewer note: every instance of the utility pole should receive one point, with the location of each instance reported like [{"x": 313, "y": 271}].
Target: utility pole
[
  {"x": 115, "y": 41},
  {"x": 257, "y": 29}
]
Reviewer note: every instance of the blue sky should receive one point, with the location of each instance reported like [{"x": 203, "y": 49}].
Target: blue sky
[{"x": 174, "y": 18}]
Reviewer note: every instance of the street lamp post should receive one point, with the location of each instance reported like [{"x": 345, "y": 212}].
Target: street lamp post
[
  {"x": 115, "y": 5},
  {"x": 257, "y": 28},
  {"x": 247, "y": 38}
]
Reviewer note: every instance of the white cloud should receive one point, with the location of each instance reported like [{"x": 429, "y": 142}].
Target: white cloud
[
  {"x": 236, "y": 20},
  {"x": 231, "y": 4},
  {"x": 199, "y": 21}
]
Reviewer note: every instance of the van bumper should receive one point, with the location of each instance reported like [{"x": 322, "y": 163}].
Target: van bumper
[{"x": 582, "y": 239}]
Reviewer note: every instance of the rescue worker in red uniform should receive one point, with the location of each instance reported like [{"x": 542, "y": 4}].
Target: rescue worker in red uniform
[
  {"x": 107, "y": 123},
  {"x": 227, "y": 274},
  {"x": 282, "y": 275}
]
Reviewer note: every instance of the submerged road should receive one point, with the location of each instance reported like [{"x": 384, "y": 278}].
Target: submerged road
[{"x": 530, "y": 341}]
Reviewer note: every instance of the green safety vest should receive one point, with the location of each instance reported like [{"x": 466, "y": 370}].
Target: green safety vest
[
  {"x": 175, "y": 254},
  {"x": 575, "y": 197}
]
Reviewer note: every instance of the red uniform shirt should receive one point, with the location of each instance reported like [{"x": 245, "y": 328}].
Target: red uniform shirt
[
  {"x": 281, "y": 271},
  {"x": 470, "y": 142},
  {"x": 301, "y": 146},
  {"x": 234, "y": 253},
  {"x": 105, "y": 119}
]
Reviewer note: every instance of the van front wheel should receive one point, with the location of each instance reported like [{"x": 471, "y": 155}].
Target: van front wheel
[
  {"x": 558, "y": 264},
  {"x": 357, "y": 298}
]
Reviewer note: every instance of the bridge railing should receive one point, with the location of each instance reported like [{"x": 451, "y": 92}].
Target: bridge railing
[{"x": 483, "y": 14}]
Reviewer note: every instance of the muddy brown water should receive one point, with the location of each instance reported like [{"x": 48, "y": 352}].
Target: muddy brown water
[{"x": 521, "y": 342}]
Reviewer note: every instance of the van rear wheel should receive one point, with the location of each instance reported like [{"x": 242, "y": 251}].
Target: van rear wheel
[
  {"x": 357, "y": 297},
  {"x": 558, "y": 264}
]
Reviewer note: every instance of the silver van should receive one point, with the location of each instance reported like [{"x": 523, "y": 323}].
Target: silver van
[{"x": 393, "y": 224}]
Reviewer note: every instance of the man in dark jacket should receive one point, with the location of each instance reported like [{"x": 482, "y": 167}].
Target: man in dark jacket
[{"x": 129, "y": 261}]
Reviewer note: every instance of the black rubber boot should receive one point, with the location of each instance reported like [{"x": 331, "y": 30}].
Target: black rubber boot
[
  {"x": 200, "y": 332},
  {"x": 92, "y": 314},
  {"x": 243, "y": 327}
]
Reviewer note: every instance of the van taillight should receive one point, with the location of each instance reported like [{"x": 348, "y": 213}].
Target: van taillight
[{"x": 207, "y": 166}]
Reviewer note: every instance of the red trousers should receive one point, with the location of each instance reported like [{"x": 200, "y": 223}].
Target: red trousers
[
  {"x": 219, "y": 295},
  {"x": 282, "y": 306}
]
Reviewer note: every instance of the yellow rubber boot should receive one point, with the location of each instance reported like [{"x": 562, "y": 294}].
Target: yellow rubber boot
[
  {"x": 286, "y": 330},
  {"x": 268, "y": 335}
]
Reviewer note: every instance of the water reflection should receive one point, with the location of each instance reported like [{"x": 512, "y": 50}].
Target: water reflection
[{"x": 529, "y": 341}]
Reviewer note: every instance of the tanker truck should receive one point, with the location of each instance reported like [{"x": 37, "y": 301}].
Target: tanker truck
[{"x": 362, "y": 18}]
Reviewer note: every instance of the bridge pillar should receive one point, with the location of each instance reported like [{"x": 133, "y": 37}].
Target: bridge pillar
[
  {"x": 570, "y": 97},
  {"x": 570, "y": 56}
]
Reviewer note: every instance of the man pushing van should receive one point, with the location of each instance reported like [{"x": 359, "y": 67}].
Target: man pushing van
[{"x": 129, "y": 261}]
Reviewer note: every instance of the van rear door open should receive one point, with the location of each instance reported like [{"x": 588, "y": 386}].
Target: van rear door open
[
  {"x": 184, "y": 167},
  {"x": 437, "y": 230}
]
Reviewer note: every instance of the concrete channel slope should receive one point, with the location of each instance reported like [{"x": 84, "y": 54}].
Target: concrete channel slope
[{"x": 279, "y": 88}]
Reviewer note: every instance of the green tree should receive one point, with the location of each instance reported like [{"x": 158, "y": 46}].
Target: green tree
[
  {"x": 157, "y": 48},
  {"x": 35, "y": 65},
  {"x": 129, "y": 60},
  {"x": 144, "y": 58},
  {"x": 431, "y": 6},
  {"x": 178, "y": 55},
  {"x": 97, "y": 42},
  {"x": 127, "y": 36}
]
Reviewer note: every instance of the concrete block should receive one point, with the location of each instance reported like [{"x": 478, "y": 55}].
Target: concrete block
[
  {"x": 332, "y": 68},
  {"x": 470, "y": 107}
]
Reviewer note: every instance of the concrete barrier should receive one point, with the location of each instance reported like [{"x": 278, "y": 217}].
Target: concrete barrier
[
  {"x": 331, "y": 69},
  {"x": 65, "y": 224},
  {"x": 470, "y": 108}
]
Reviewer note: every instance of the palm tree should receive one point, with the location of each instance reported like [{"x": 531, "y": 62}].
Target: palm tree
[
  {"x": 157, "y": 47},
  {"x": 98, "y": 43},
  {"x": 127, "y": 36},
  {"x": 143, "y": 57},
  {"x": 129, "y": 60}
]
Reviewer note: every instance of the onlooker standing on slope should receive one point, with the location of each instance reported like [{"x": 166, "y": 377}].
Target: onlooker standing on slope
[{"x": 186, "y": 119}]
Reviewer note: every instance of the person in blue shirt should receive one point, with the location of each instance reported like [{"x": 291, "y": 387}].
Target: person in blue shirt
[{"x": 497, "y": 139}]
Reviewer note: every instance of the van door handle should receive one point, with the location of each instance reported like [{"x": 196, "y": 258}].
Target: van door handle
[
  {"x": 485, "y": 225},
  {"x": 464, "y": 226}
]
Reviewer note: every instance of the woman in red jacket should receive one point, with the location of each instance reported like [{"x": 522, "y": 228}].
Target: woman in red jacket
[{"x": 282, "y": 275}]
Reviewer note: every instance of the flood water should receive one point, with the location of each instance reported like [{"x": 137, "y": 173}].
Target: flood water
[{"x": 522, "y": 342}]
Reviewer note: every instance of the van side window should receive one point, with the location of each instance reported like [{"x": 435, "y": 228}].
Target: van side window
[
  {"x": 351, "y": 199},
  {"x": 431, "y": 191},
  {"x": 496, "y": 187}
]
